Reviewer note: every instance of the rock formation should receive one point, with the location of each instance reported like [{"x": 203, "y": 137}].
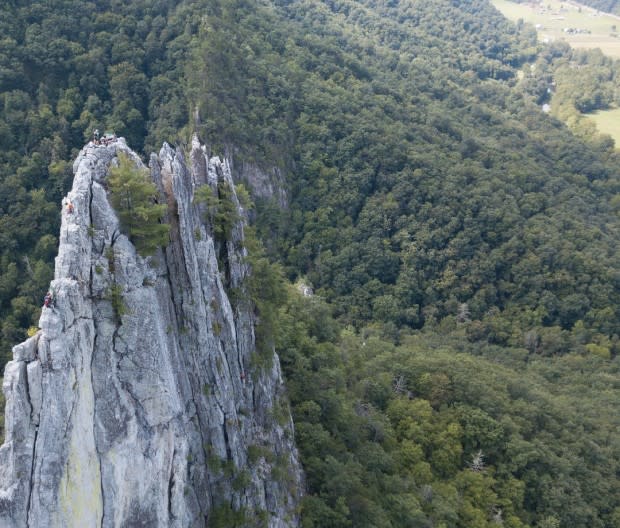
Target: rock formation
[
  {"x": 140, "y": 401},
  {"x": 265, "y": 184}
]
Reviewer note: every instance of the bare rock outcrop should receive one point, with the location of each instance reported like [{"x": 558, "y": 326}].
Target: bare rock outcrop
[
  {"x": 140, "y": 401},
  {"x": 264, "y": 184}
]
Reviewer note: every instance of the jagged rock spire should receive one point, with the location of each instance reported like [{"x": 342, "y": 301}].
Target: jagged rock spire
[{"x": 144, "y": 416}]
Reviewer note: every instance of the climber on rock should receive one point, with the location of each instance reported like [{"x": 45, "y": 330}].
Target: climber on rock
[
  {"x": 69, "y": 207},
  {"x": 48, "y": 300},
  {"x": 108, "y": 138}
]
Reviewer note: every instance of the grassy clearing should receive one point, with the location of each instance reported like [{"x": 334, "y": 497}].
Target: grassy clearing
[
  {"x": 608, "y": 121},
  {"x": 552, "y": 16},
  {"x": 550, "y": 19}
]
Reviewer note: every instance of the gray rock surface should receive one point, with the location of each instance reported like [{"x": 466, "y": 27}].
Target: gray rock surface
[
  {"x": 158, "y": 416},
  {"x": 267, "y": 184}
]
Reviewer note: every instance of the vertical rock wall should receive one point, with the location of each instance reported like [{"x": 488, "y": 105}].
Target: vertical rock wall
[{"x": 159, "y": 415}]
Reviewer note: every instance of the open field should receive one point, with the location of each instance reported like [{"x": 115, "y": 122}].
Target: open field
[
  {"x": 608, "y": 121},
  {"x": 552, "y": 17}
]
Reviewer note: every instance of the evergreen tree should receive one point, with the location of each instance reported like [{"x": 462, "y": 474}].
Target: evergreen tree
[{"x": 134, "y": 198}]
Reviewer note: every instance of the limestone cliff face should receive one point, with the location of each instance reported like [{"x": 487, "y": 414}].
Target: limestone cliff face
[
  {"x": 266, "y": 184},
  {"x": 157, "y": 416}
]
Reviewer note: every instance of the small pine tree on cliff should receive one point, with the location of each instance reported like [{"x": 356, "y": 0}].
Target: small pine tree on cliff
[{"x": 133, "y": 196}]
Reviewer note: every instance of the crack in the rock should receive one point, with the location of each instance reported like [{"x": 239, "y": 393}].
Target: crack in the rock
[
  {"x": 170, "y": 485},
  {"x": 90, "y": 216},
  {"x": 229, "y": 455},
  {"x": 75, "y": 322},
  {"x": 139, "y": 409},
  {"x": 92, "y": 383},
  {"x": 73, "y": 402},
  {"x": 34, "y": 447},
  {"x": 32, "y": 466},
  {"x": 177, "y": 306}
]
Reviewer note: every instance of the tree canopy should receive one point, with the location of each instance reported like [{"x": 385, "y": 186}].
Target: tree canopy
[
  {"x": 458, "y": 365},
  {"x": 68, "y": 67},
  {"x": 134, "y": 196}
]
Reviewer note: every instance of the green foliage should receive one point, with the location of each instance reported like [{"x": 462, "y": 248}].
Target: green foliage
[
  {"x": 434, "y": 196},
  {"x": 470, "y": 241},
  {"x": 221, "y": 211},
  {"x": 266, "y": 289},
  {"x": 228, "y": 468},
  {"x": 224, "y": 516},
  {"x": 118, "y": 303},
  {"x": 242, "y": 480},
  {"x": 214, "y": 463},
  {"x": 433, "y": 183},
  {"x": 281, "y": 472},
  {"x": 121, "y": 71},
  {"x": 281, "y": 412},
  {"x": 387, "y": 434},
  {"x": 610, "y": 6},
  {"x": 109, "y": 255},
  {"x": 256, "y": 452},
  {"x": 575, "y": 82},
  {"x": 134, "y": 198}
]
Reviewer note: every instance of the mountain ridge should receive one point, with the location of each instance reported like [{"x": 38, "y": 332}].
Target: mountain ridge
[{"x": 149, "y": 413}]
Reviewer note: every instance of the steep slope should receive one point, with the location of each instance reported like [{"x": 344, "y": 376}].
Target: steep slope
[
  {"x": 424, "y": 178},
  {"x": 139, "y": 403},
  {"x": 428, "y": 189},
  {"x": 416, "y": 105},
  {"x": 66, "y": 68}
]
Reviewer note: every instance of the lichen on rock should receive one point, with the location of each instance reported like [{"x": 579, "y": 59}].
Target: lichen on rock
[{"x": 145, "y": 416}]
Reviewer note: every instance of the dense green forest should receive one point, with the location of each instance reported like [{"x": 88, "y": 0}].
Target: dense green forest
[
  {"x": 458, "y": 365},
  {"x": 436, "y": 431},
  {"x": 67, "y": 68},
  {"x": 425, "y": 186},
  {"x": 609, "y": 6}
]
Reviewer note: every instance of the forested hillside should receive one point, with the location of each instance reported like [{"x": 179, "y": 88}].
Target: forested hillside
[
  {"x": 609, "y": 6},
  {"x": 435, "y": 431},
  {"x": 426, "y": 182},
  {"x": 66, "y": 68},
  {"x": 458, "y": 366}
]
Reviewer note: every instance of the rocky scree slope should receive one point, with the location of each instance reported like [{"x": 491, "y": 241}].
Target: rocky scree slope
[{"x": 152, "y": 415}]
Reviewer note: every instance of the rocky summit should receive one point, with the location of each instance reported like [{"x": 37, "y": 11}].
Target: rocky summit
[{"x": 158, "y": 414}]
